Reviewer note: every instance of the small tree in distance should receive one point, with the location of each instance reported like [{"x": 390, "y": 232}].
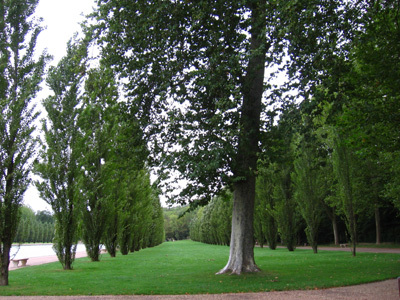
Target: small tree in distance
[{"x": 309, "y": 188}]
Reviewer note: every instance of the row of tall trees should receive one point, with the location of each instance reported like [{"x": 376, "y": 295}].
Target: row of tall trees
[
  {"x": 303, "y": 205},
  {"x": 35, "y": 227},
  {"x": 212, "y": 224},
  {"x": 343, "y": 63},
  {"x": 195, "y": 72},
  {"x": 314, "y": 176},
  {"x": 92, "y": 163}
]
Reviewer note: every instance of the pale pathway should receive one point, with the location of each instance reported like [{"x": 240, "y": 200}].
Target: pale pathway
[{"x": 34, "y": 261}]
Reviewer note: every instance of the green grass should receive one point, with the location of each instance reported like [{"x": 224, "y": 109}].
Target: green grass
[{"x": 189, "y": 267}]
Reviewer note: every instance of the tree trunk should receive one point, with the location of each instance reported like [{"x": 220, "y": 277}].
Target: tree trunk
[
  {"x": 241, "y": 257},
  {"x": 377, "y": 225},
  {"x": 353, "y": 232},
  {"x": 272, "y": 232},
  {"x": 4, "y": 264},
  {"x": 312, "y": 237},
  {"x": 111, "y": 235},
  {"x": 331, "y": 211},
  {"x": 68, "y": 261},
  {"x": 314, "y": 248},
  {"x": 335, "y": 229}
]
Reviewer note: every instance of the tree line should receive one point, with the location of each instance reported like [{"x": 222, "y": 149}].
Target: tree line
[
  {"x": 34, "y": 227},
  {"x": 92, "y": 163},
  {"x": 300, "y": 191},
  {"x": 91, "y": 159}
]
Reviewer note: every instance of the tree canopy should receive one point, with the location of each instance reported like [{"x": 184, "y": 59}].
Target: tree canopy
[{"x": 194, "y": 78}]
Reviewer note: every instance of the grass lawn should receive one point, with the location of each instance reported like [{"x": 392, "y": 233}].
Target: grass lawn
[{"x": 189, "y": 267}]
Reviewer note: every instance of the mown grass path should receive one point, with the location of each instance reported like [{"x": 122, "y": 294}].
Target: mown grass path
[{"x": 188, "y": 267}]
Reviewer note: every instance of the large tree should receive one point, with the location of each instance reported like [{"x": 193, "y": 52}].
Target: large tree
[
  {"x": 58, "y": 166},
  {"x": 20, "y": 76},
  {"x": 96, "y": 123},
  {"x": 195, "y": 78}
]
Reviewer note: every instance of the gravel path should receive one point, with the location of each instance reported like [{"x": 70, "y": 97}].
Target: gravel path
[{"x": 383, "y": 290}]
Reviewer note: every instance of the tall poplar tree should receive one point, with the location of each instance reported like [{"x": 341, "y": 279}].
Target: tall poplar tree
[
  {"x": 96, "y": 122},
  {"x": 195, "y": 80},
  {"x": 266, "y": 228},
  {"x": 20, "y": 76},
  {"x": 308, "y": 186},
  {"x": 58, "y": 167}
]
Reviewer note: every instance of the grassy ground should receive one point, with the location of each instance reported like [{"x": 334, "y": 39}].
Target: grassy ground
[{"x": 189, "y": 267}]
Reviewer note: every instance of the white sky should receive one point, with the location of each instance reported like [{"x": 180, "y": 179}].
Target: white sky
[{"x": 61, "y": 19}]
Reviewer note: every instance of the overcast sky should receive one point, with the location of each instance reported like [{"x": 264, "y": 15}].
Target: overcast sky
[{"x": 61, "y": 19}]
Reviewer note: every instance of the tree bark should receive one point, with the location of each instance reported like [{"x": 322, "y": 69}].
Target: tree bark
[
  {"x": 241, "y": 257},
  {"x": 68, "y": 260},
  {"x": 313, "y": 240},
  {"x": 377, "y": 225},
  {"x": 4, "y": 264},
  {"x": 272, "y": 232},
  {"x": 335, "y": 229},
  {"x": 331, "y": 211}
]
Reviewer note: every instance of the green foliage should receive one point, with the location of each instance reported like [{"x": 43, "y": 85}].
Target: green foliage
[
  {"x": 265, "y": 226},
  {"x": 127, "y": 191},
  {"x": 392, "y": 188},
  {"x": 176, "y": 223},
  {"x": 285, "y": 210},
  {"x": 58, "y": 167},
  {"x": 194, "y": 96},
  {"x": 156, "y": 233},
  {"x": 212, "y": 224},
  {"x": 134, "y": 214},
  {"x": 20, "y": 76},
  {"x": 374, "y": 108},
  {"x": 96, "y": 131},
  {"x": 45, "y": 216},
  {"x": 34, "y": 228},
  {"x": 343, "y": 56},
  {"x": 309, "y": 189},
  {"x": 344, "y": 168},
  {"x": 187, "y": 267}
]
